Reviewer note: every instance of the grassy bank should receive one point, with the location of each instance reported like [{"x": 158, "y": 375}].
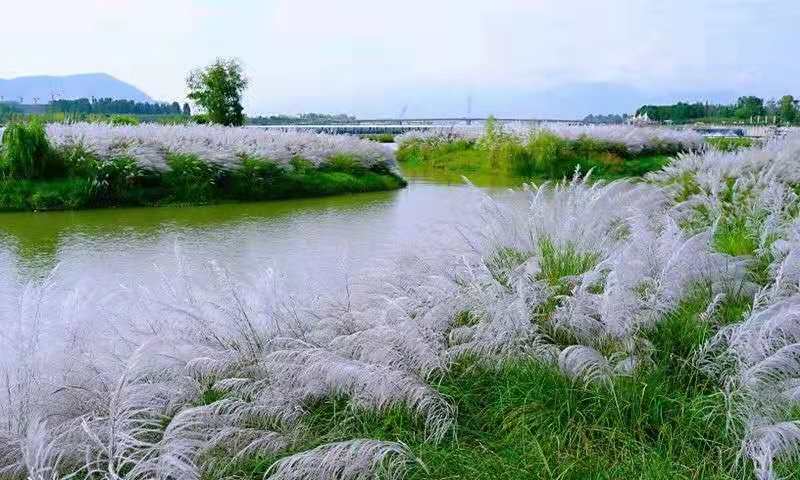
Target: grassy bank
[
  {"x": 538, "y": 161},
  {"x": 37, "y": 175},
  {"x": 538, "y": 154}
]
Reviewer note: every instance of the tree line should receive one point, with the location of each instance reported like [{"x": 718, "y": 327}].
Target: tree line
[
  {"x": 111, "y": 106},
  {"x": 747, "y": 108}
]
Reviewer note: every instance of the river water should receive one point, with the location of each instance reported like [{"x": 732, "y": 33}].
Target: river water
[{"x": 311, "y": 243}]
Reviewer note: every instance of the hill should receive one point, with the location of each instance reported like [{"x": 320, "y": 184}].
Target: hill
[{"x": 43, "y": 88}]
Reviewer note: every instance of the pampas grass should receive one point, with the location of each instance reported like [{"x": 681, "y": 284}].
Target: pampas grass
[
  {"x": 635, "y": 139},
  {"x": 581, "y": 278},
  {"x": 149, "y": 144}
]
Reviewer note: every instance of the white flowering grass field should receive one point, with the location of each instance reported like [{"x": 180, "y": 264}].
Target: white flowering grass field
[
  {"x": 87, "y": 165},
  {"x": 643, "y": 329},
  {"x": 544, "y": 152}
]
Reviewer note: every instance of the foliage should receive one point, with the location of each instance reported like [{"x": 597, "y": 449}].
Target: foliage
[
  {"x": 788, "y": 109},
  {"x": 111, "y": 106},
  {"x": 154, "y": 164},
  {"x": 730, "y": 144},
  {"x": 380, "y": 137},
  {"x": 542, "y": 154},
  {"x": 218, "y": 88},
  {"x": 123, "y": 120},
  {"x": 745, "y": 109},
  {"x": 26, "y": 152}
]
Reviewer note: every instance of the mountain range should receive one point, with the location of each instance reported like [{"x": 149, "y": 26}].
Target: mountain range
[{"x": 42, "y": 88}]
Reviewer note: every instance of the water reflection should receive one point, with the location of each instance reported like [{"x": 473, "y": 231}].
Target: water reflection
[{"x": 312, "y": 240}]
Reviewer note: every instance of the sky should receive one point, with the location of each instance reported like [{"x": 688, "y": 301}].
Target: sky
[{"x": 372, "y": 58}]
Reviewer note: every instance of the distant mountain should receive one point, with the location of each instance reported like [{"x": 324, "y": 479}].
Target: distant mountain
[{"x": 69, "y": 87}]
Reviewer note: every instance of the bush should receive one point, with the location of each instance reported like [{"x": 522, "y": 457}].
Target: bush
[
  {"x": 730, "y": 144},
  {"x": 342, "y": 163},
  {"x": 123, "y": 120},
  {"x": 256, "y": 178},
  {"x": 27, "y": 153},
  {"x": 190, "y": 178},
  {"x": 45, "y": 194}
]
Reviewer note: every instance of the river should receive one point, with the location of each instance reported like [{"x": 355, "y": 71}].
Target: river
[{"x": 312, "y": 243}]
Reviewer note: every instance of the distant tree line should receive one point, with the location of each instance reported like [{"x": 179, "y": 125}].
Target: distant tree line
[
  {"x": 110, "y": 106},
  {"x": 302, "y": 119},
  {"x": 747, "y": 108}
]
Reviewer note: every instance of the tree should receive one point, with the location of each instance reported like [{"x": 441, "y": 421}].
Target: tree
[
  {"x": 187, "y": 110},
  {"x": 218, "y": 88},
  {"x": 788, "y": 108},
  {"x": 750, "y": 106}
]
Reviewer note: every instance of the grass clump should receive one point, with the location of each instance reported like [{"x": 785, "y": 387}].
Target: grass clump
[
  {"x": 380, "y": 137},
  {"x": 26, "y": 153},
  {"x": 525, "y": 419},
  {"x": 730, "y": 144}
]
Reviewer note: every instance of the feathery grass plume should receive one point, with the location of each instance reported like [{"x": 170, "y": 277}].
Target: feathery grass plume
[
  {"x": 635, "y": 139},
  {"x": 207, "y": 367},
  {"x": 224, "y": 147},
  {"x": 584, "y": 363},
  {"x": 360, "y": 459}
]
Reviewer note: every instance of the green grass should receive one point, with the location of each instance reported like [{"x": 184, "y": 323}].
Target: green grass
[
  {"x": 188, "y": 182},
  {"x": 729, "y": 144},
  {"x": 524, "y": 419},
  {"x": 544, "y": 159},
  {"x": 380, "y": 137}
]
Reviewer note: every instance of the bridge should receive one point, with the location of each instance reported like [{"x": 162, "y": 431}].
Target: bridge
[{"x": 396, "y": 126}]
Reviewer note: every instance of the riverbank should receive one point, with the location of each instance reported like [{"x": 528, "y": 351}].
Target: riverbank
[
  {"x": 543, "y": 153},
  {"x": 67, "y": 167}
]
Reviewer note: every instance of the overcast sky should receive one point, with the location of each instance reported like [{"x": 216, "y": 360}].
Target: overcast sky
[{"x": 375, "y": 57}]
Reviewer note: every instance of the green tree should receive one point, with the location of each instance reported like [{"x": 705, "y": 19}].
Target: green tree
[
  {"x": 218, "y": 89},
  {"x": 187, "y": 110},
  {"x": 750, "y": 106},
  {"x": 788, "y": 108}
]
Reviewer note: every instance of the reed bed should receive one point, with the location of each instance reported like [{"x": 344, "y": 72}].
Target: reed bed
[
  {"x": 618, "y": 329},
  {"x": 148, "y": 144},
  {"x": 90, "y": 165},
  {"x": 635, "y": 139}
]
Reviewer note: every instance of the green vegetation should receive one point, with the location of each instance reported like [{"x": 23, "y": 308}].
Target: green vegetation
[
  {"x": 26, "y": 153},
  {"x": 544, "y": 156},
  {"x": 380, "y": 137},
  {"x": 729, "y": 144},
  {"x": 35, "y": 176},
  {"x": 525, "y": 419},
  {"x": 218, "y": 88},
  {"x": 747, "y": 109},
  {"x": 111, "y": 106}
]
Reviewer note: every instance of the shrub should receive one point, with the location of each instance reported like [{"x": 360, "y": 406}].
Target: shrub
[
  {"x": 117, "y": 120},
  {"x": 190, "y": 178},
  {"x": 256, "y": 178},
  {"x": 27, "y": 153},
  {"x": 730, "y": 144},
  {"x": 342, "y": 163}
]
